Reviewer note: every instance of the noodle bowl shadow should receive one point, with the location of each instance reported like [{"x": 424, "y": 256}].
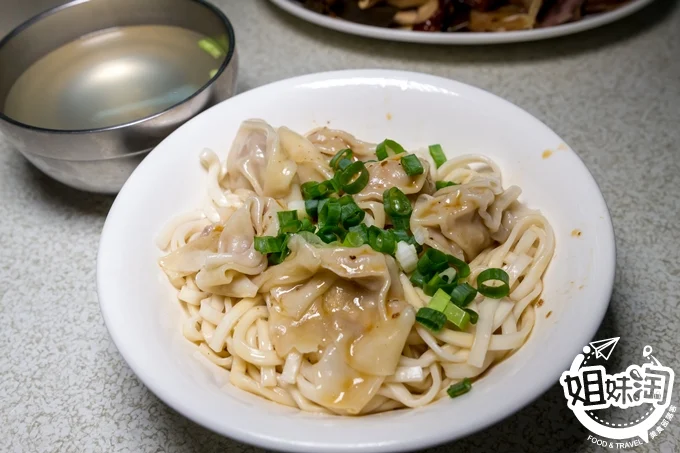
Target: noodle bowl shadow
[{"x": 416, "y": 110}]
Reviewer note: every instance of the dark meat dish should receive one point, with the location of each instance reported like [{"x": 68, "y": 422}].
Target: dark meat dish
[{"x": 461, "y": 15}]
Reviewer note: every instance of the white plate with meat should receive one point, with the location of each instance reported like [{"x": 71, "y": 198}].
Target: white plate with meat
[{"x": 461, "y": 22}]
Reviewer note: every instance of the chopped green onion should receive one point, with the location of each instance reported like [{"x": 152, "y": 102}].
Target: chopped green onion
[
  {"x": 278, "y": 257},
  {"x": 353, "y": 239},
  {"x": 396, "y": 203},
  {"x": 351, "y": 215},
  {"x": 291, "y": 227},
  {"x": 439, "y": 301},
  {"x": 340, "y": 155},
  {"x": 438, "y": 155},
  {"x": 441, "y": 184},
  {"x": 401, "y": 235},
  {"x": 493, "y": 275},
  {"x": 329, "y": 212},
  {"x": 331, "y": 233},
  {"x": 460, "y": 388},
  {"x": 418, "y": 279},
  {"x": 313, "y": 190},
  {"x": 401, "y": 223},
  {"x": 406, "y": 256},
  {"x": 307, "y": 225},
  {"x": 311, "y": 238},
  {"x": 463, "y": 294},
  {"x": 457, "y": 316},
  {"x": 438, "y": 282},
  {"x": 353, "y": 178},
  {"x": 286, "y": 216},
  {"x": 412, "y": 165},
  {"x": 432, "y": 261},
  {"x": 345, "y": 200},
  {"x": 381, "y": 240},
  {"x": 268, "y": 244},
  {"x": 474, "y": 317},
  {"x": 388, "y": 147},
  {"x": 449, "y": 275},
  {"x": 357, "y": 236},
  {"x": 211, "y": 47},
  {"x": 344, "y": 163},
  {"x": 311, "y": 206},
  {"x": 461, "y": 266},
  {"x": 331, "y": 186},
  {"x": 299, "y": 206},
  {"x": 432, "y": 319}
]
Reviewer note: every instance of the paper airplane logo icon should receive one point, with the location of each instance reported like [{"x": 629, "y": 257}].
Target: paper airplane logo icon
[{"x": 604, "y": 348}]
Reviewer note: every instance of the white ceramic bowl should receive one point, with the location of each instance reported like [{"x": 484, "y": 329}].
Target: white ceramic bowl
[
  {"x": 416, "y": 109},
  {"x": 475, "y": 38}
]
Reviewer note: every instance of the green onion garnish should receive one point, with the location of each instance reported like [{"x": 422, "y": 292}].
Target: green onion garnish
[
  {"x": 388, "y": 147},
  {"x": 461, "y": 266},
  {"x": 460, "y": 388},
  {"x": 432, "y": 319},
  {"x": 331, "y": 233},
  {"x": 291, "y": 227},
  {"x": 357, "y": 236},
  {"x": 307, "y": 225},
  {"x": 401, "y": 223},
  {"x": 441, "y": 184},
  {"x": 396, "y": 203},
  {"x": 286, "y": 216},
  {"x": 211, "y": 47},
  {"x": 418, "y": 279},
  {"x": 493, "y": 275},
  {"x": 278, "y": 257},
  {"x": 311, "y": 238},
  {"x": 329, "y": 212},
  {"x": 438, "y": 155},
  {"x": 344, "y": 163},
  {"x": 437, "y": 283},
  {"x": 412, "y": 165},
  {"x": 401, "y": 235},
  {"x": 345, "y": 200},
  {"x": 474, "y": 317},
  {"x": 439, "y": 301},
  {"x": 313, "y": 190},
  {"x": 353, "y": 178},
  {"x": 268, "y": 244},
  {"x": 449, "y": 275},
  {"x": 432, "y": 261},
  {"x": 351, "y": 214},
  {"x": 381, "y": 240},
  {"x": 457, "y": 316},
  {"x": 311, "y": 206},
  {"x": 463, "y": 294},
  {"x": 340, "y": 155}
]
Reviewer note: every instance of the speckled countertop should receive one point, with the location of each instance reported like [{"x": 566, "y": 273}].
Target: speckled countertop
[{"x": 613, "y": 94}]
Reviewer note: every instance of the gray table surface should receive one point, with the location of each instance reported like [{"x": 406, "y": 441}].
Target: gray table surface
[{"x": 613, "y": 94}]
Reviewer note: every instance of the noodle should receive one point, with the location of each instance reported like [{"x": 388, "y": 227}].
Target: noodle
[{"x": 332, "y": 328}]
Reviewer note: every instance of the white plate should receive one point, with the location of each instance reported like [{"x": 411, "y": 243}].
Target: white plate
[
  {"x": 143, "y": 318},
  {"x": 389, "y": 34}
]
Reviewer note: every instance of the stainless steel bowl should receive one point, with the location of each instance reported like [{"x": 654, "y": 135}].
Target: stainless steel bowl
[{"x": 101, "y": 159}]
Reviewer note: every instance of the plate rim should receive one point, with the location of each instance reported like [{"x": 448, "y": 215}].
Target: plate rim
[
  {"x": 252, "y": 436},
  {"x": 478, "y": 38}
]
